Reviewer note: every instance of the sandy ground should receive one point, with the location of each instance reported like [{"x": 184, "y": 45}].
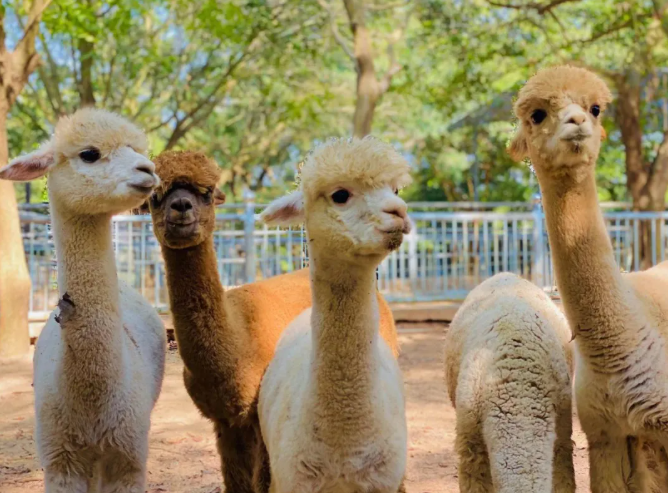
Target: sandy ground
[{"x": 182, "y": 450}]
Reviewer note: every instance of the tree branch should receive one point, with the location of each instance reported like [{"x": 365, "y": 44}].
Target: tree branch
[
  {"x": 377, "y": 8},
  {"x": 335, "y": 29},
  {"x": 26, "y": 44},
  {"x": 538, "y": 7}
]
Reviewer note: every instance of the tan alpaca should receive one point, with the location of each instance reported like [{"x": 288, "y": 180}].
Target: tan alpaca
[
  {"x": 226, "y": 339},
  {"x": 619, "y": 320},
  {"x": 98, "y": 364},
  {"x": 507, "y": 369},
  {"x": 331, "y": 403}
]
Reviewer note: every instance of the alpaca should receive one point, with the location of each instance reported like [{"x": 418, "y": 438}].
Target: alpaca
[
  {"x": 618, "y": 320},
  {"x": 99, "y": 361},
  {"x": 507, "y": 370},
  {"x": 331, "y": 402},
  {"x": 226, "y": 338}
]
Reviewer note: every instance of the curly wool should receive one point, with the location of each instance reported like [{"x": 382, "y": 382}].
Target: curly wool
[
  {"x": 93, "y": 127},
  {"x": 188, "y": 167},
  {"x": 368, "y": 162},
  {"x": 507, "y": 370}
]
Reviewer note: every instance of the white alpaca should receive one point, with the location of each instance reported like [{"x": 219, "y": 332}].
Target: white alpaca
[
  {"x": 331, "y": 403},
  {"x": 98, "y": 363},
  {"x": 507, "y": 369}
]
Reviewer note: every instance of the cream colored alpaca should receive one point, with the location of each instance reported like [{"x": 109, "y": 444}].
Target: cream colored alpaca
[
  {"x": 620, "y": 321},
  {"x": 507, "y": 369},
  {"x": 99, "y": 363},
  {"x": 331, "y": 403}
]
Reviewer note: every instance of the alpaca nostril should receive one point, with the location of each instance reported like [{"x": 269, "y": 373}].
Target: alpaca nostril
[
  {"x": 577, "y": 119},
  {"x": 395, "y": 211},
  {"x": 181, "y": 205},
  {"x": 145, "y": 168}
]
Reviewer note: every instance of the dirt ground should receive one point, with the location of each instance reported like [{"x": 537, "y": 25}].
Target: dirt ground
[{"x": 183, "y": 455}]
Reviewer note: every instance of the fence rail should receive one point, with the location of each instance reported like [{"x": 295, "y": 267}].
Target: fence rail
[{"x": 446, "y": 255}]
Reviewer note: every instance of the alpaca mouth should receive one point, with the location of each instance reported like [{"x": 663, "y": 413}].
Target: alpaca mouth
[
  {"x": 182, "y": 229},
  {"x": 144, "y": 190},
  {"x": 577, "y": 137}
]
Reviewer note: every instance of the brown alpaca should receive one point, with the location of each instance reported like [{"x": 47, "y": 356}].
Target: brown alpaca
[
  {"x": 619, "y": 321},
  {"x": 226, "y": 339}
]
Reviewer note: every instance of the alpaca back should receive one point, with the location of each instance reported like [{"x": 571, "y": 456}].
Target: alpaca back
[{"x": 507, "y": 367}]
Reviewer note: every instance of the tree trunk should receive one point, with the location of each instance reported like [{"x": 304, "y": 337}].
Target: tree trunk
[
  {"x": 369, "y": 88},
  {"x": 14, "y": 278},
  {"x": 646, "y": 181}
]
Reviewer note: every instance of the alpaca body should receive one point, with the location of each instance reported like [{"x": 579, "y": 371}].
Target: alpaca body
[
  {"x": 507, "y": 365},
  {"x": 225, "y": 338},
  {"x": 112, "y": 434},
  {"x": 369, "y": 456},
  {"x": 331, "y": 404},
  {"x": 618, "y": 320},
  {"x": 99, "y": 362}
]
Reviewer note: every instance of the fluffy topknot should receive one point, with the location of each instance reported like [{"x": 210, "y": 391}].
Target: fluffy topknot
[
  {"x": 92, "y": 127},
  {"x": 368, "y": 162},
  {"x": 187, "y": 167},
  {"x": 555, "y": 85}
]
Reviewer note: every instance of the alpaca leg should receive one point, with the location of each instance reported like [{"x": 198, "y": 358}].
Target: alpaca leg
[
  {"x": 64, "y": 482},
  {"x": 563, "y": 480},
  {"x": 474, "y": 472},
  {"x": 616, "y": 464},
  {"x": 235, "y": 446},
  {"x": 261, "y": 469},
  {"x": 122, "y": 474}
]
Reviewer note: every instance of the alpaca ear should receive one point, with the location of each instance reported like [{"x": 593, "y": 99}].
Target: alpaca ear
[
  {"x": 518, "y": 148},
  {"x": 31, "y": 166},
  {"x": 218, "y": 197},
  {"x": 604, "y": 134},
  {"x": 286, "y": 211}
]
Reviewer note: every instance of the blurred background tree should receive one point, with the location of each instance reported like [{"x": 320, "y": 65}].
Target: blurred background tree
[{"x": 256, "y": 83}]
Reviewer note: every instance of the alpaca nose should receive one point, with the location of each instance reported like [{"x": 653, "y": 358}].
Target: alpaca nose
[
  {"x": 577, "y": 118},
  {"x": 145, "y": 168},
  {"x": 398, "y": 210},
  {"x": 182, "y": 205}
]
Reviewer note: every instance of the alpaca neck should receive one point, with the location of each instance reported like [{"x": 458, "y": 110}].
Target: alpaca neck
[
  {"x": 87, "y": 273},
  {"x": 597, "y": 300},
  {"x": 345, "y": 324},
  {"x": 196, "y": 298}
]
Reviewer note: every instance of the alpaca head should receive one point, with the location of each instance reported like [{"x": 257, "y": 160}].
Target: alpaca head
[
  {"x": 560, "y": 111},
  {"x": 183, "y": 206},
  {"x": 96, "y": 164},
  {"x": 348, "y": 200}
]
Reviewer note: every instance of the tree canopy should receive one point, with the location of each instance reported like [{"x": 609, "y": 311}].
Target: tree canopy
[{"x": 255, "y": 83}]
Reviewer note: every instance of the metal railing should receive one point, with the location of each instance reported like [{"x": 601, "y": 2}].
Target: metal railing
[{"x": 446, "y": 255}]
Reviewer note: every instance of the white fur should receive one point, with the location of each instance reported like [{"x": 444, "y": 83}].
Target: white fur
[
  {"x": 507, "y": 363},
  {"x": 331, "y": 403},
  {"x": 98, "y": 372}
]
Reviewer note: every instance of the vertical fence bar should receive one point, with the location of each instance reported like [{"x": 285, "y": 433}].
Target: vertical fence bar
[
  {"x": 537, "y": 274},
  {"x": 249, "y": 235}
]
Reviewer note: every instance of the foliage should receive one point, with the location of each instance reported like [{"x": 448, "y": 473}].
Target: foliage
[{"x": 256, "y": 83}]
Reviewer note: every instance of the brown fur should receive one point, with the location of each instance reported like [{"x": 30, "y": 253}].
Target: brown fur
[{"x": 227, "y": 339}]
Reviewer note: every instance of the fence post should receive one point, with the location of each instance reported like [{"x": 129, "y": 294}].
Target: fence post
[
  {"x": 249, "y": 235},
  {"x": 538, "y": 247},
  {"x": 412, "y": 238}
]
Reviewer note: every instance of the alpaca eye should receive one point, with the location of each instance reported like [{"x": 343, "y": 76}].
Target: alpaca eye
[
  {"x": 595, "y": 110},
  {"x": 341, "y": 196},
  {"x": 396, "y": 191},
  {"x": 538, "y": 116},
  {"x": 90, "y": 155}
]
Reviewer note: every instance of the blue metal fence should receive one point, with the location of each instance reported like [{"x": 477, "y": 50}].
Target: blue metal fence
[{"x": 449, "y": 251}]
